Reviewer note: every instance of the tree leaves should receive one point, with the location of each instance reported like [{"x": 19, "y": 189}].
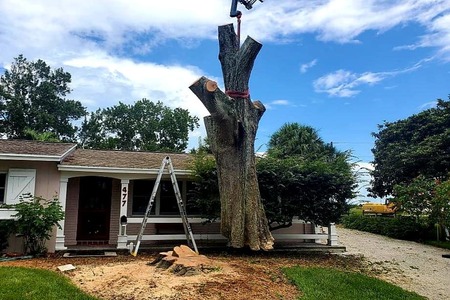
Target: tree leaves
[
  {"x": 32, "y": 97},
  {"x": 304, "y": 176},
  {"x": 417, "y": 145},
  {"x": 143, "y": 125}
]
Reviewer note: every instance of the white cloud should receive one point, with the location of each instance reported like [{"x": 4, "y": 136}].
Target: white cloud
[
  {"x": 428, "y": 105},
  {"x": 342, "y": 83},
  {"x": 117, "y": 23},
  {"x": 438, "y": 37},
  {"x": 306, "y": 66},
  {"x": 280, "y": 102},
  {"x": 274, "y": 103},
  {"x": 93, "y": 40},
  {"x": 100, "y": 80}
]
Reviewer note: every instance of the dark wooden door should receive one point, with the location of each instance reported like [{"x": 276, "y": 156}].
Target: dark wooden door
[{"x": 94, "y": 209}]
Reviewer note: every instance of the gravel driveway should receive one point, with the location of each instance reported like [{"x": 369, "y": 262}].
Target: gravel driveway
[{"x": 412, "y": 266}]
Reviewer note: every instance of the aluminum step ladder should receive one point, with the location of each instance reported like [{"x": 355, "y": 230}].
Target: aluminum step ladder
[{"x": 167, "y": 162}]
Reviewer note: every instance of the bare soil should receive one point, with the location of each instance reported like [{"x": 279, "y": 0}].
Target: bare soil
[{"x": 236, "y": 276}]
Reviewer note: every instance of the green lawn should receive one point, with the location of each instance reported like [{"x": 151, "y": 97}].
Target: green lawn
[
  {"x": 324, "y": 283},
  {"x": 440, "y": 244},
  {"x": 33, "y": 284}
]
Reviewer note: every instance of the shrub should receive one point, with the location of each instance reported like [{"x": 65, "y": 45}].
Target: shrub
[
  {"x": 400, "y": 227},
  {"x": 36, "y": 218},
  {"x": 205, "y": 192}
]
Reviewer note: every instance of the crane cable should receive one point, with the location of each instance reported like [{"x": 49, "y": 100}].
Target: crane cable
[{"x": 239, "y": 30}]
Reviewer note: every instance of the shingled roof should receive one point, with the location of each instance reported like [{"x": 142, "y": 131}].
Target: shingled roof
[
  {"x": 69, "y": 156},
  {"x": 34, "y": 150},
  {"x": 125, "y": 159}
]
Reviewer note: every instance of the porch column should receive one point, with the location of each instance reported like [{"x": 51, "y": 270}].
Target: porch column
[
  {"x": 317, "y": 230},
  {"x": 122, "y": 239},
  {"x": 60, "y": 237},
  {"x": 332, "y": 235}
]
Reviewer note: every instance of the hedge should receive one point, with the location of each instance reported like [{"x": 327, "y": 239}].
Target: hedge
[{"x": 400, "y": 227}]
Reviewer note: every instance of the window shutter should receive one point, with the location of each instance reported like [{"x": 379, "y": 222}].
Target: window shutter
[{"x": 19, "y": 182}]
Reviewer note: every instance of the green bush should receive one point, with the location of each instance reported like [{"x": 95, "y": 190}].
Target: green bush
[
  {"x": 35, "y": 220},
  {"x": 400, "y": 227}
]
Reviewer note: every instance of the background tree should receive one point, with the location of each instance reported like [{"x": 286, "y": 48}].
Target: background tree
[
  {"x": 293, "y": 139},
  {"x": 415, "y": 198},
  {"x": 427, "y": 201},
  {"x": 32, "y": 97},
  {"x": 304, "y": 176},
  {"x": 143, "y": 125},
  {"x": 312, "y": 181},
  {"x": 417, "y": 145}
]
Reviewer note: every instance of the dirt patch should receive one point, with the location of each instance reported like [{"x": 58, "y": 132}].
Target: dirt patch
[
  {"x": 236, "y": 277},
  {"x": 415, "y": 267}
]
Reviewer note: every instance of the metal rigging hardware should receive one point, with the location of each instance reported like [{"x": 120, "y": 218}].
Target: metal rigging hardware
[
  {"x": 238, "y": 14},
  {"x": 167, "y": 162},
  {"x": 247, "y": 3}
]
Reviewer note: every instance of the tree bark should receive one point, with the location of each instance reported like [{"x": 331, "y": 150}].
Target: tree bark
[{"x": 231, "y": 130}]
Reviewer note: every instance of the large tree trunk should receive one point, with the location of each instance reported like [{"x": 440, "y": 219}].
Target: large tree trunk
[{"x": 231, "y": 130}]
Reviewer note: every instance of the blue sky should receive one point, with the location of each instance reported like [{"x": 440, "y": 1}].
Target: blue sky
[{"x": 340, "y": 66}]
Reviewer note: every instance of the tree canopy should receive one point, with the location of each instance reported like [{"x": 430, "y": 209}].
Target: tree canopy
[
  {"x": 143, "y": 125},
  {"x": 312, "y": 180},
  {"x": 304, "y": 176},
  {"x": 33, "y": 97},
  {"x": 417, "y": 145}
]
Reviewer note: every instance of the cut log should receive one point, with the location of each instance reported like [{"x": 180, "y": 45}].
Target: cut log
[{"x": 183, "y": 261}]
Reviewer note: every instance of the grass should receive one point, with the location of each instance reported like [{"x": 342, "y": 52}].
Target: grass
[
  {"x": 440, "y": 244},
  {"x": 19, "y": 283},
  {"x": 324, "y": 283}
]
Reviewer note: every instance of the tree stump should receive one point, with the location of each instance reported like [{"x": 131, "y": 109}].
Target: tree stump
[
  {"x": 231, "y": 130},
  {"x": 183, "y": 261}
]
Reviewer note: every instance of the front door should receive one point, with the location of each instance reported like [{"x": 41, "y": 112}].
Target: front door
[{"x": 94, "y": 209}]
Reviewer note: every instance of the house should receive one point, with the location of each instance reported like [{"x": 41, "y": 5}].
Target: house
[{"x": 104, "y": 195}]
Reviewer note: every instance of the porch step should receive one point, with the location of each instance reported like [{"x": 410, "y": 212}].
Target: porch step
[{"x": 90, "y": 254}]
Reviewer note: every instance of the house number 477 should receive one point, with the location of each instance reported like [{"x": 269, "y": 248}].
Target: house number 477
[{"x": 124, "y": 195}]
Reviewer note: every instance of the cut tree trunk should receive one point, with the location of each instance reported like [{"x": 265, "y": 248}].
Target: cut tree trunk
[
  {"x": 231, "y": 130},
  {"x": 183, "y": 261}
]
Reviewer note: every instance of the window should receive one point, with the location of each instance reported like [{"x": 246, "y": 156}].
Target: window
[
  {"x": 168, "y": 202},
  {"x": 191, "y": 208},
  {"x": 165, "y": 201},
  {"x": 142, "y": 190},
  {"x": 2, "y": 187}
]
